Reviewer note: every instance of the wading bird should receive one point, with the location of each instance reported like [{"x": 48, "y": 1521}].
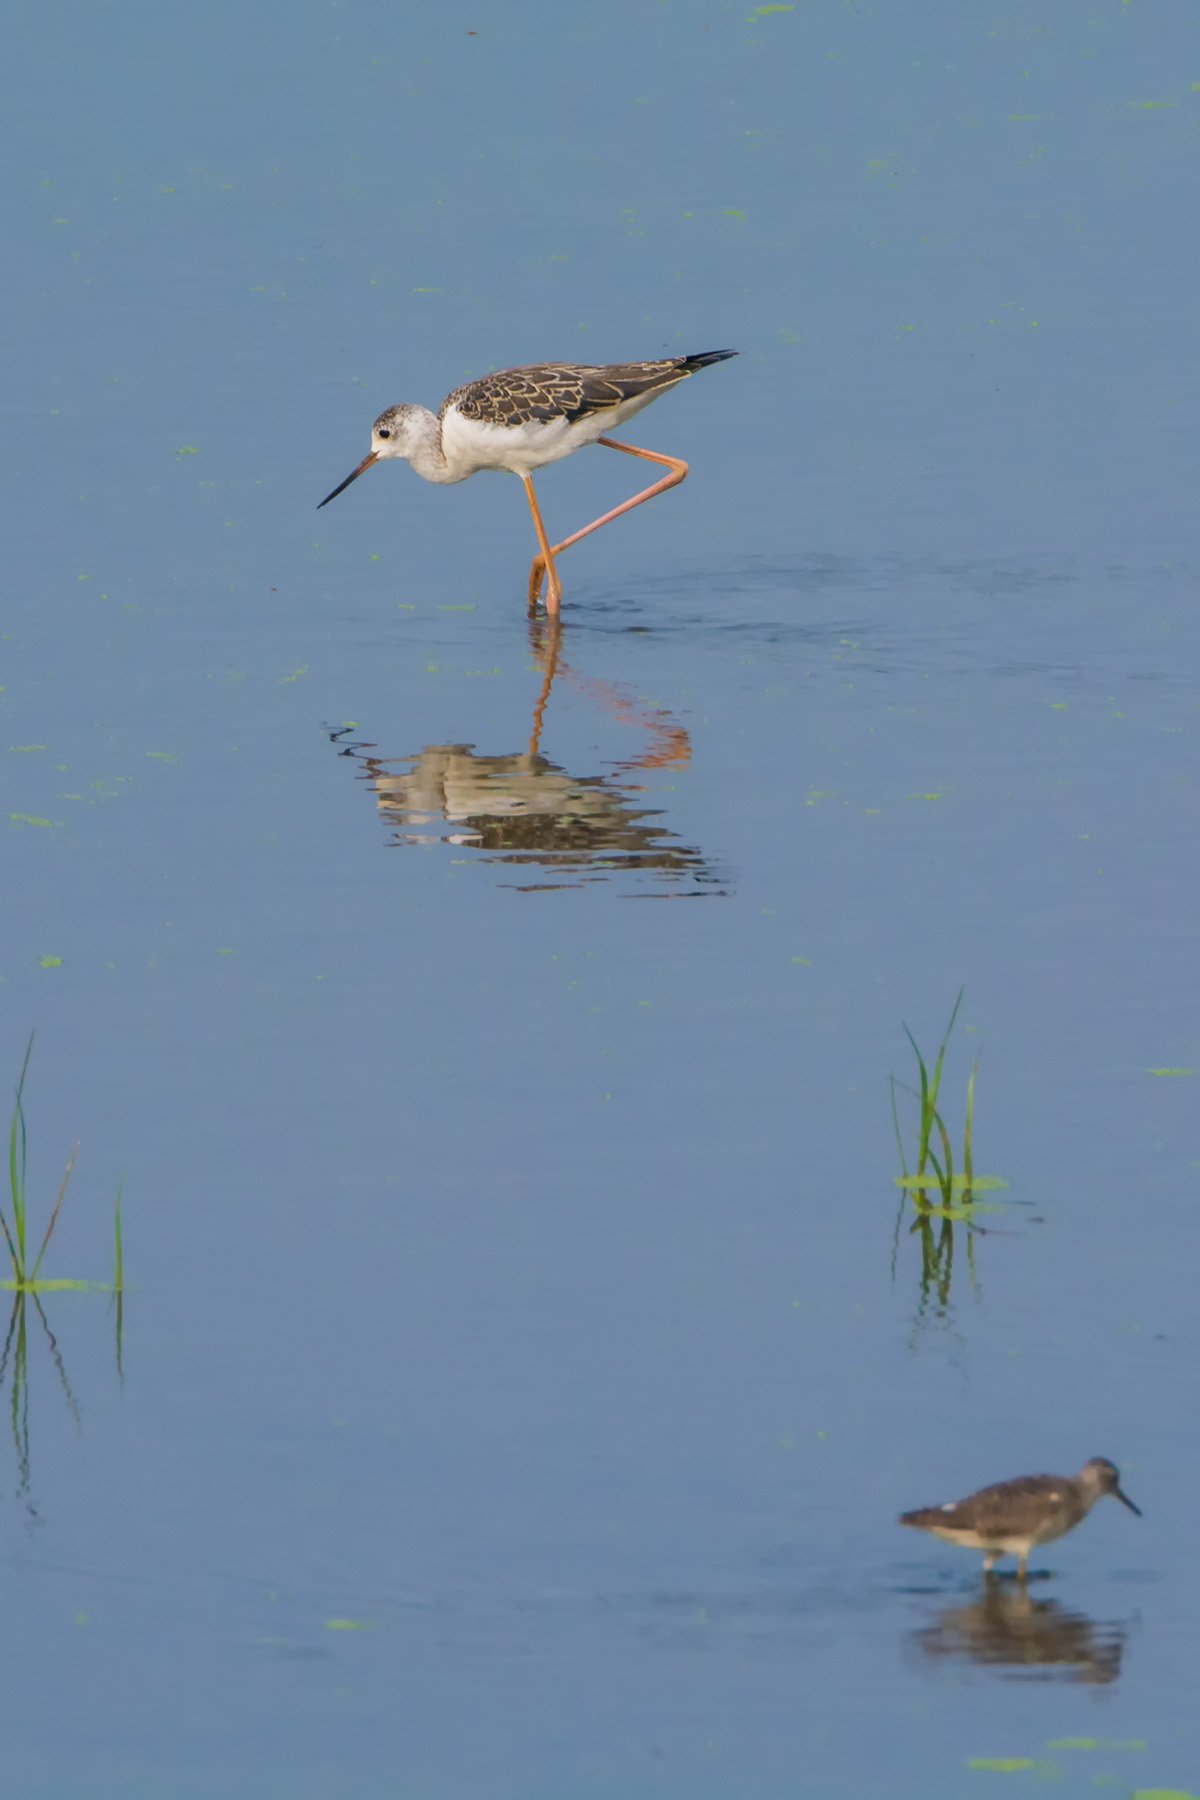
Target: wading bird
[
  {"x": 1011, "y": 1517},
  {"x": 521, "y": 419}
]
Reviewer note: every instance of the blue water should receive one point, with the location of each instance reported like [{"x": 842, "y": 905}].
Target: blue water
[{"x": 522, "y": 1363}]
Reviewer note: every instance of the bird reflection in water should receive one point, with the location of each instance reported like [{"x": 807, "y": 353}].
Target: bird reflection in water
[
  {"x": 526, "y": 810},
  {"x": 1025, "y": 1639}
]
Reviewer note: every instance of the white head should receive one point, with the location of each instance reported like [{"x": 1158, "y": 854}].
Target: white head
[{"x": 395, "y": 432}]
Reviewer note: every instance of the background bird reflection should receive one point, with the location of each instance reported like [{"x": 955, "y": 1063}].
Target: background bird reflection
[{"x": 1026, "y": 1639}]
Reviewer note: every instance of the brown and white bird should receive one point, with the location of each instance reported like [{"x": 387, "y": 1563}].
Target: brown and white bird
[
  {"x": 1012, "y": 1517},
  {"x": 518, "y": 420}
]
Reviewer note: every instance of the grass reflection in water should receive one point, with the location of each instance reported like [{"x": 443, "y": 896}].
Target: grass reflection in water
[{"x": 28, "y": 1285}]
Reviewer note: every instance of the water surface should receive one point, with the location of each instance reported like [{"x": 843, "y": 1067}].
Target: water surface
[{"x": 522, "y": 1367}]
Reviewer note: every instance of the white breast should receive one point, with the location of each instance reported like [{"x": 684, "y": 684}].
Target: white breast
[{"x": 471, "y": 444}]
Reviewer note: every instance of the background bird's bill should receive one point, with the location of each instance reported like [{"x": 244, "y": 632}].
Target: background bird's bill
[
  {"x": 364, "y": 464},
  {"x": 1123, "y": 1497}
]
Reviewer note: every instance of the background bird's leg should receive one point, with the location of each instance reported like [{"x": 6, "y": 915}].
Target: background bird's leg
[
  {"x": 678, "y": 473},
  {"x": 545, "y": 562}
]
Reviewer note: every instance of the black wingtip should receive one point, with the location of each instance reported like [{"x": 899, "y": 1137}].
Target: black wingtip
[{"x": 702, "y": 360}]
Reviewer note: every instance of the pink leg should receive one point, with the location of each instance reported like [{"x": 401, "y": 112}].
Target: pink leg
[{"x": 545, "y": 561}]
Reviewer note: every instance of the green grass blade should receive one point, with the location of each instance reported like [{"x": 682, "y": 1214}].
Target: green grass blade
[
  {"x": 14, "y": 1184},
  {"x": 54, "y": 1216},
  {"x": 17, "y": 1160},
  {"x": 923, "y": 1138},
  {"x": 19, "y": 1187},
  {"x": 948, "y": 1153},
  {"x": 968, "y": 1152},
  {"x": 896, "y": 1125},
  {"x": 18, "y": 1275},
  {"x": 936, "y": 1083},
  {"x": 118, "y": 1255}
]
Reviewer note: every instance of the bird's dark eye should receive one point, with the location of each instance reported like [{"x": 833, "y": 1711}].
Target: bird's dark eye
[{"x": 384, "y": 433}]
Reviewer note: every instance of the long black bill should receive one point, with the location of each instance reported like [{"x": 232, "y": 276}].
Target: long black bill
[
  {"x": 1126, "y": 1501},
  {"x": 364, "y": 464}
]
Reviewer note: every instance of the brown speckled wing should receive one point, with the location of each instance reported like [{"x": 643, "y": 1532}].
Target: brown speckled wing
[
  {"x": 545, "y": 391},
  {"x": 1008, "y": 1506},
  {"x": 1021, "y": 1503}
]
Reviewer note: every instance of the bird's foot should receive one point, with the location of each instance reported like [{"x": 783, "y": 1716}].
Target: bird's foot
[{"x": 538, "y": 576}]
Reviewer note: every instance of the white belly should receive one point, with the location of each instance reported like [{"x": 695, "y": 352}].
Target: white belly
[
  {"x": 1002, "y": 1542},
  {"x": 473, "y": 444}
]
